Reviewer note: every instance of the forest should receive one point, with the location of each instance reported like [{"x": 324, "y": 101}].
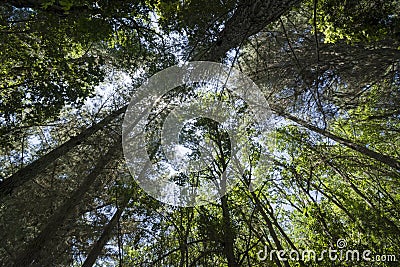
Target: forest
[{"x": 199, "y": 133}]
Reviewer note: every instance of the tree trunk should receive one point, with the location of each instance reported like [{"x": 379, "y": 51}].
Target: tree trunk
[
  {"x": 229, "y": 236},
  {"x": 39, "y": 166},
  {"x": 250, "y": 17},
  {"x": 105, "y": 235},
  {"x": 387, "y": 160},
  {"x": 31, "y": 255},
  {"x": 269, "y": 225}
]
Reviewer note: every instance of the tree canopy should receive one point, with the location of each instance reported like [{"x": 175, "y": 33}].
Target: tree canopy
[{"x": 323, "y": 181}]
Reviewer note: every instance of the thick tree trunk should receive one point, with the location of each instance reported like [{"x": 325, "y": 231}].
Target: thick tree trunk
[
  {"x": 387, "y": 160},
  {"x": 31, "y": 255},
  {"x": 39, "y": 166},
  {"x": 250, "y": 18}
]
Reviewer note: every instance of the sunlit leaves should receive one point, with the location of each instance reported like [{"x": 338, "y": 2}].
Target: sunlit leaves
[{"x": 355, "y": 21}]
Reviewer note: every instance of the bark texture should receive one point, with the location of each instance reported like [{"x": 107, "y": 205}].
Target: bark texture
[
  {"x": 249, "y": 18},
  {"x": 39, "y": 166},
  {"x": 32, "y": 254}
]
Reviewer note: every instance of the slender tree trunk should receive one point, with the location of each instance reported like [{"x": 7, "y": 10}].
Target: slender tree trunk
[
  {"x": 263, "y": 239},
  {"x": 368, "y": 201},
  {"x": 259, "y": 205},
  {"x": 229, "y": 236},
  {"x": 105, "y": 235},
  {"x": 39, "y": 166},
  {"x": 222, "y": 163},
  {"x": 269, "y": 225},
  {"x": 31, "y": 255},
  {"x": 184, "y": 235},
  {"x": 275, "y": 222},
  {"x": 387, "y": 160}
]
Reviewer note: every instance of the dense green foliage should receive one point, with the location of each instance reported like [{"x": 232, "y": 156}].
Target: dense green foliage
[
  {"x": 359, "y": 21},
  {"x": 329, "y": 70}
]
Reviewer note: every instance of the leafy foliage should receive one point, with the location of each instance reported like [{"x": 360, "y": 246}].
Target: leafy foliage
[
  {"x": 359, "y": 21},
  {"x": 337, "y": 79}
]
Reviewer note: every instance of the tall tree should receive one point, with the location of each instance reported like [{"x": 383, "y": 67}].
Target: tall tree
[{"x": 329, "y": 69}]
